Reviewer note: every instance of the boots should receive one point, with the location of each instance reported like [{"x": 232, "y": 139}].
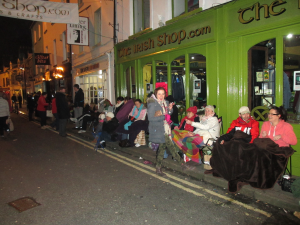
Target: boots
[
  {"x": 94, "y": 141},
  {"x": 185, "y": 166},
  {"x": 159, "y": 172}
]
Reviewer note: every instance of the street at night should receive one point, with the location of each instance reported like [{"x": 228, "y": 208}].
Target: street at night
[{"x": 76, "y": 185}]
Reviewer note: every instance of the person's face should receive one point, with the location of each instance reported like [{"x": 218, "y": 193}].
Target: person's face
[
  {"x": 75, "y": 34},
  {"x": 45, "y": 95},
  {"x": 119, "y": 101},
  {"x": 160, "y": 95},
  {"x": 76, "y": 89},
  {"x": 125, "y": 101},
  {"x": 108, "y": 118},
  {"x": 137, "y": 104},
  {"x": 245, "y": 116},
  {"x": 190, "y": 114},
  {"x": 208, "y": 112},
  {"x": 273, "y": 116},
  {"x": 63, "y": 90}
]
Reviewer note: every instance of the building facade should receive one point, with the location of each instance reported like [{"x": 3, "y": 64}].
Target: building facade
[{"x": 243, "y": 52}]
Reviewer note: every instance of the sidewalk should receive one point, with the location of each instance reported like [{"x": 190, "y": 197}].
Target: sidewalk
[{"x": 274, "y": 196}]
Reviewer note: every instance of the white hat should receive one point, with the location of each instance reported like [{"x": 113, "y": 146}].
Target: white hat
[
  {"x": 110, "y": 114},
  {"x": 102, "y": 116},
  {"x": 244, "y": 110},
  {"x": 210, "y": 107}
]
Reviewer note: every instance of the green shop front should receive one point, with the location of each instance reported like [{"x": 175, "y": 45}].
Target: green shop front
[{"x": 245, "y": 52}]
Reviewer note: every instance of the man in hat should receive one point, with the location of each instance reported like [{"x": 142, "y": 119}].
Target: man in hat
[{"x": 243, "y": 123}]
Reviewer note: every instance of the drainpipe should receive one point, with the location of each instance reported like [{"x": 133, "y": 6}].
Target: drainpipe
[{"x": 109, "y": 81}]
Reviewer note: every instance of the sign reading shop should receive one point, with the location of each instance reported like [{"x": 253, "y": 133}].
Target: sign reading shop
[
  {"x": 164, "y": 39},
  {"x": 42, "y": 59}
]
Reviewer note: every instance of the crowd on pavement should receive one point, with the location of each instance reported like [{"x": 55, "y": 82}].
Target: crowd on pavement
[{"x": 131, "y": 119}]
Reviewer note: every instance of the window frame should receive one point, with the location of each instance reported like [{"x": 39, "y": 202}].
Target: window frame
[
  {"x": 143, "y": 17},
  {"x": 185, "y": 11},
  {"x": 98, "y": 33}
]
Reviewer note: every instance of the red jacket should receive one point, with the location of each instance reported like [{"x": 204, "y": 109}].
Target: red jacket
[
  {"x": 284, "y": 129},
  {"x": 54, "y": 108},
  {"x": 251, "y": 128},
  {"x": 42, "y": 103}
]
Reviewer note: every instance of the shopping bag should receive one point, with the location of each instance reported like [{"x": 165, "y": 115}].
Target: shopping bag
[
  {"x": 10, "y": 124},
  {"x": 49, "y": 113}
]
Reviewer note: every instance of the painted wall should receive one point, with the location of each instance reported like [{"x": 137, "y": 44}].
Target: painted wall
[{"x": 226, "y": 51}]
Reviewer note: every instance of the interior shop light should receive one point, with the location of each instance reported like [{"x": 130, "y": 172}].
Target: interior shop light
[
  {"x": 289, "y": 35},
  {"x": 193, "y": 57},
  {"x": 100, "y": 76},
  {"x": 100, "y": 72}
]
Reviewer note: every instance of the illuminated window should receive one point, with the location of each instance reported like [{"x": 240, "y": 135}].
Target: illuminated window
[
  {"x": 141, "y": 15},
  {"x": 97, "y": 24}
]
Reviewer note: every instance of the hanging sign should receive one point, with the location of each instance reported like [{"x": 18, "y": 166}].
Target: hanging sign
[
  {"x": 296, "y": 80},
  {"x": 44, "y": 11},
  {"x": 78, "y": 34},
  {"x": 41, "y": 58}
]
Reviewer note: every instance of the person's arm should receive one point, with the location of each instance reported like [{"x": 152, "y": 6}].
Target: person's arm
[
  {"x": 211, "y": 123},
  {"x": 289, "y": 136},
  {"x": 232, "y": 126},
  {"x": 263, "y": 131},
  {"x": 254, "y": 131},
  {"x": 7, "y": 109},
  {"x": 151, "y": 113}
]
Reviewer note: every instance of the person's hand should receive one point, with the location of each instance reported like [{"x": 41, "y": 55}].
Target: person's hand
[
  {"x": 222, "y": 142},
  {"x": 264, "y": 134},
  {"x": 171, "y": 105},
  {"x": 277, "y": 137},
  {"x": 188, "y": 121},
  {"x": 176, "y": 128}
]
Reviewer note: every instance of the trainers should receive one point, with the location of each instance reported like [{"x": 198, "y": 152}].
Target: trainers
[
  {"x": 81, "y": 131},
  {"x": 74, "y": 120},
  {"x": 137, "y": 145}
]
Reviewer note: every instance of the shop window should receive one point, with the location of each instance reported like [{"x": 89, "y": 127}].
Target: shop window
[
  {"x": 130, "y": 82},
  {"x": 197, "y": 86},
  {"x": 148, "y": 81},
  {"x": 141, "y": 15},
  {"x": 93, "y": 87},
  {"x": 97, "y": 24},
  {"x": 161, "y": 75},
  {"x": 183, "y": 6},
  {"x": 291, "y": 77},
  {"x": 261, "y": 74}
]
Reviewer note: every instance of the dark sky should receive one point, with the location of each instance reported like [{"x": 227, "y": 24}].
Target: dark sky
[{"x": 15, "y": 34}]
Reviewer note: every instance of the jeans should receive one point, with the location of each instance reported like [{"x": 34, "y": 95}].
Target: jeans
[
  {"x": 62, "y": 127},
  {"x": 55, "y": 123},
  {"x": 3, "y": 124},
  {"x": 105, "y": 137},
  {"x": 42, "y": 115}
]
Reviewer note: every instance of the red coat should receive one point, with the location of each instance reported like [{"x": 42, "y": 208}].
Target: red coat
[
  {"x": 54, "y": 108},
  {"x": 251, "y": 127},
  {"x": 42, "y": 104}
]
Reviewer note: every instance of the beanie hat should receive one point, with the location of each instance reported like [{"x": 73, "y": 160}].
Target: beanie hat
[
  {"x": 192, "y": 109},
  {"x": 110, "y": 114},
  {"x": 244, "y": 110},
  {"x": 210, "y": 107},
  {"x": 102, "y": 116}
]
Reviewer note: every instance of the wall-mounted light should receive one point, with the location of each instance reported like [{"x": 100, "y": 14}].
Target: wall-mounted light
[
  {"x": 289, "y": 36},
  {"x": 193, "y": 57},
  {"x": 100, "y": 72}
]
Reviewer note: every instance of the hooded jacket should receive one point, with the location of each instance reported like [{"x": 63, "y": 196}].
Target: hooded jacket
[
  {"x": 63, "y": 111},
  {"x": 284, "y": 129},
  {"x": 79, "y": 98}
]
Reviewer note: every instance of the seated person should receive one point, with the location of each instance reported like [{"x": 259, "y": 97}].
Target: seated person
[
  {"x": 243, "y": 123},
  {"x": 277, "y": 129},
  {"x": 260, "y": 163},
  {"x": 208, "y": 127},
  {"x": 108, "y": 128},
  {"x": 120, "y": 103},
  {"x": 125, "y": 109},
  {"x": 185, "y": 139},
  {"x": 99, "y": 127},
  {"x": 134, "y": 124},
  {"x": 87, "y": 115}
]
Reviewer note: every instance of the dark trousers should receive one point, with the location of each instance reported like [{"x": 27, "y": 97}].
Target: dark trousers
[
  {"x": 30, "y": 114},
  {"x": 42, "y": 115},
  {"x": 85, "y": 120},
  {"x": 20, "y": 105},
  {"x": 161, "y": 150},
  {"x": 3, "y": 124},
  {"x": 105, "y": 137},
  {"x": 55, "y": 123},
  {"x": 63, "y": 127}
]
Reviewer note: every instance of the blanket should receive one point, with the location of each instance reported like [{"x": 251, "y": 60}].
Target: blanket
[
  {"x": 189, "y": 143},
  {"x": 259, "y": 164}
]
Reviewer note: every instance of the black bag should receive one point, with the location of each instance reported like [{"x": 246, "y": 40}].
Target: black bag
[
  {"x": 124, "y": 143},
  {"x": 286, "y": 184}
]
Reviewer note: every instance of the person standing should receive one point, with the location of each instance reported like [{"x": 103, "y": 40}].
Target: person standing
[
  {"x": 55, "y": 123},
  {"x": 63, "y": 112},
  {"x": 78, "y": 104},
  {"x": 20, "y": 101},
  {"x": 41, "y": 108},
  {"x": 4, "y": 113},
  {"x": 30, "y": 106},
  {"x": 14, "y": 100}
]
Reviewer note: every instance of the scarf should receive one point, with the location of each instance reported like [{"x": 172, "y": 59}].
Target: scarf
[
  {"x": 165, "y": 109},
  {"x": 188, "y": 127},
  {"x": 117, "y": 105},
  {"x": 204, "y": 118},
  {"x": 128, "y": 124}
]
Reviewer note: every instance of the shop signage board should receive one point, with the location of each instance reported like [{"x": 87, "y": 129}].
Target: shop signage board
[
  {"x": 78, "y": 34},
  {"x": 43, "y": 11},
  {"x": 41, "y": 58}
]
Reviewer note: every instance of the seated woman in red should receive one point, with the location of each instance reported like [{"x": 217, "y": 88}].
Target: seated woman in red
[{"x": 184, "y": 137}]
